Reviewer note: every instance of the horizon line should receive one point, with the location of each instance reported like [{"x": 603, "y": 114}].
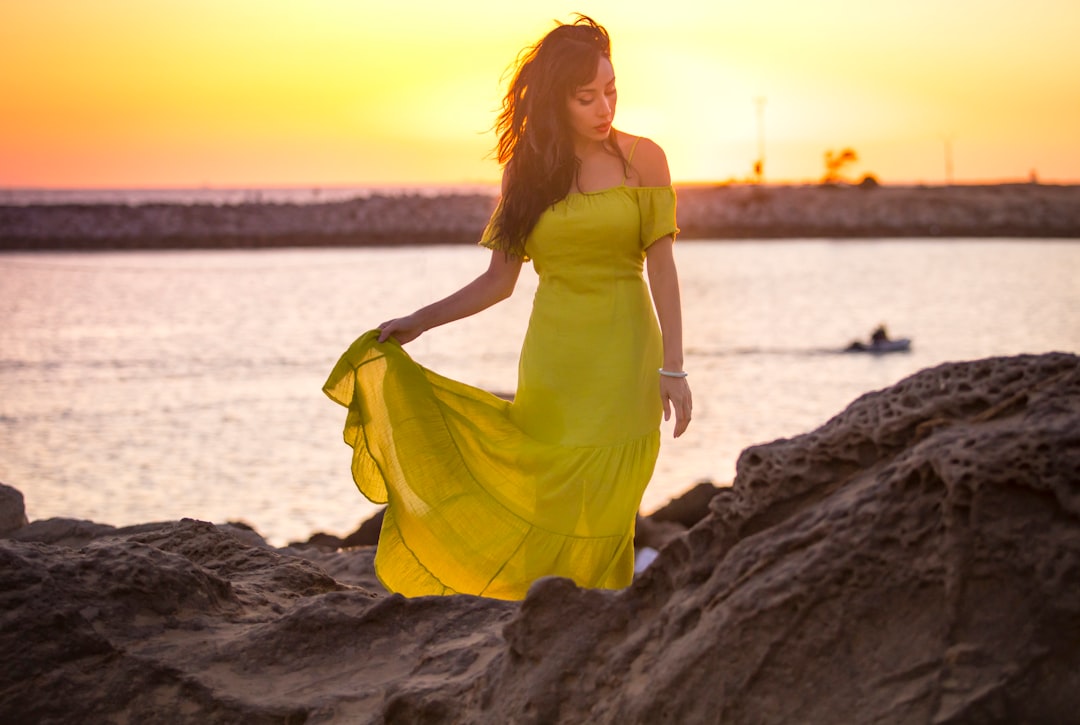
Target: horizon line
[{"x": 1000, "y": 181}]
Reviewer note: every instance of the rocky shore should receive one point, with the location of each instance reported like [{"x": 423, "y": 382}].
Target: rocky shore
[
  {"x": 916, "y": 559},
  {"x": 705, "y": 212}
]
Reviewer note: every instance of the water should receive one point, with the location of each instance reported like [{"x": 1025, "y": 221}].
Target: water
[{"x": 146, "y": 386}]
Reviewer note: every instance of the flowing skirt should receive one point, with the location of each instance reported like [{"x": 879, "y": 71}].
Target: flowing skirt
[{"x": 475, "y": 504}]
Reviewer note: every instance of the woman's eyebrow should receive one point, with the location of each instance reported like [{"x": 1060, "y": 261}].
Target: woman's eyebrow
[{"x": 592, "y": 89}]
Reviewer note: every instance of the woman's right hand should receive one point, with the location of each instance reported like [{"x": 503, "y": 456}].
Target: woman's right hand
[{"x": 403, "y": 329}]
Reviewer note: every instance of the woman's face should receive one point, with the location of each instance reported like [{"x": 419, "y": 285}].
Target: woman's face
[{"x": 591, "y": 108}]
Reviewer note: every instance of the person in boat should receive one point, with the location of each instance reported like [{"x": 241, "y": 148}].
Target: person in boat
[{"x": 878, "y": 337}]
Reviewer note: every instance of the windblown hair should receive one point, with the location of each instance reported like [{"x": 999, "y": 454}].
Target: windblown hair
[{"x": 535, "y": 145}]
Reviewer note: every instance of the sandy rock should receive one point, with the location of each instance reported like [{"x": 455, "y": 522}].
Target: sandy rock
[
  {"x": 355, "y": 567},
  {"x": 914, "y": 560},
  {"x": 244, "y": 532},
  {"x": 368, "y": 533},
  {"x": 12, "y": 510},
  {"x": 653, "y": 534},
  {"x": 62, "y": 532},
  {"x": 182, "y": 622},
  {"x": 76, "y": 533},
  {"x": 319, "y": 540},
  {"x": 689, "y": 508},
  {"x": 674, "y": 518}
]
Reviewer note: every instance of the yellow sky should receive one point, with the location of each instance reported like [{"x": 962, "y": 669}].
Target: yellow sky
[{"x": 132, "y": 93}]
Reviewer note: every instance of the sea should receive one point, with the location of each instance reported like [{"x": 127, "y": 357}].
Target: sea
[{"x": 149, "y": 386}]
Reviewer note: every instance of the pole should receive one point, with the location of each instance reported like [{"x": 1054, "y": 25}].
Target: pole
[
  {"x": 759, "y": 166},
  {"x": 948, "y": 161}
]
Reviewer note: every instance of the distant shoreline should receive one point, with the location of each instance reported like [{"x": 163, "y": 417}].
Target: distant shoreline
[{"x": 397, "y": 219}]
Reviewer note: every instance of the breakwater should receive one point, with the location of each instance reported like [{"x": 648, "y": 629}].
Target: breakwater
[{"x": 705, "y": 212}]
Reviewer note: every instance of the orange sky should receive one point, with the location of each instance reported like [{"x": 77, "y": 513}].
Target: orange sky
[{"x": 161, "y": 93}]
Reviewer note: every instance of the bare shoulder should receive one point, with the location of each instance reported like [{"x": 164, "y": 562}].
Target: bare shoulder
[{"x": 649, "y": 163}]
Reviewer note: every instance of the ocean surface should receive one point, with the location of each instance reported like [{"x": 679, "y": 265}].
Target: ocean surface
[{"x": 143, "y": 386}]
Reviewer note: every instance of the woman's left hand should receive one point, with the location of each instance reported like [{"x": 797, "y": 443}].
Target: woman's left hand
[
  {"x": 675, "y": 393},
  {"x": 403, "y": 329}
]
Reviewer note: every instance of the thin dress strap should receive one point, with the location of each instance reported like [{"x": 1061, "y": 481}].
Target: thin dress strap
[{"x": 630, "y": 157}]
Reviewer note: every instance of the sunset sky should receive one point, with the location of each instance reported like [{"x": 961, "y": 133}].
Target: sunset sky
[{"x": 221, "y": 93}]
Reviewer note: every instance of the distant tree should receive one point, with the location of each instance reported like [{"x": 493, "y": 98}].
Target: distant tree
[
  {"x": 869, "y": 181},
  {"x": 835, "y": 162}
]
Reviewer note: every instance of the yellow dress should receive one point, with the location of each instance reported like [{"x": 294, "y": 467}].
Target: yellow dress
[{"x": 485, "y": 496}]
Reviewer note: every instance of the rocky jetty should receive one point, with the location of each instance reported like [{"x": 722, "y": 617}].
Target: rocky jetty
[
  {"x": 375, "y": 220},
  {"x": 914, "y": 560},
  {"x": 763, "y": 212},
  {"x": 705, "y": 212}
]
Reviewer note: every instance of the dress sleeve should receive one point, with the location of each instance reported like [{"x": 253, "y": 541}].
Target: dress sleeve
[
  {"x": 490, "y": 238},
  {"x": 657, "y": 207}
]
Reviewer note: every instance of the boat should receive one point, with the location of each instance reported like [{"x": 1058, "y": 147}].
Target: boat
[
  {"x": 880, "y": 343},
  {"x": 879, "y": 347}
]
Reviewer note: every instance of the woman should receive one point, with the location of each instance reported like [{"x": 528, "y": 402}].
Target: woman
[{"x": 485, "y": 496}]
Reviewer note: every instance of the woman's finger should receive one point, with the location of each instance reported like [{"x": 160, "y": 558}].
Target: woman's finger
[{"x": 681, "y": 424}]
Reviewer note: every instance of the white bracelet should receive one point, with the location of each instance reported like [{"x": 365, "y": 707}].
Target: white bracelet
[{"x": 669, "y": 374}]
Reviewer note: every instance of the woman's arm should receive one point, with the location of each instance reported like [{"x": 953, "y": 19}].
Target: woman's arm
[
  {"x": 651, "y": 165},
  {"x": 664, "y": 283},
  {"x": 494, "y": 285}
]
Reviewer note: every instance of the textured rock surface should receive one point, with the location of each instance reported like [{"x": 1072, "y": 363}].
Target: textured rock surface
[
  {"x": 690, "y": 508},
  {"x": 12, "y": 510},
  {"x": 366, "y": 535},
  {"x": 916, "y": 559},
  {"x": 183, "y": 622}
]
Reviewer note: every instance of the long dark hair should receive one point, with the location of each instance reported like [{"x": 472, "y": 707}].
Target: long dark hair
[{"x": 535, "y": 145}]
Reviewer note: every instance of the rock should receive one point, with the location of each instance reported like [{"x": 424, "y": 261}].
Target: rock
[
  {"x": 914, "y": 560},
  {"x": 182, "y": 622},
  {"x": 368, "y": 533},
  {"x": 653, "y": 534},
  {"x": 690, "y": 507},
  {"x": 12, "y": 510},
  {"x": 244, "y": 532},
  {"x": 673, "y": 519},
  {"x": 355, "y": 567},
  {"x": 62, "y": 532},
  {"x": 76, "y": 533},
  {"x": 326, "y": 542}
]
